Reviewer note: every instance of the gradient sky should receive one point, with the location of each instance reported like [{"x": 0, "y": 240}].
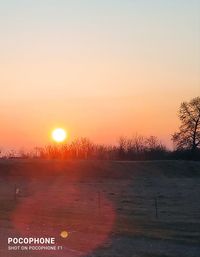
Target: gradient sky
[{"x": 101, "y": 69}]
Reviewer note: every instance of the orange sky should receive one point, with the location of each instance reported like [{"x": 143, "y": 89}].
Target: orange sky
[{"x": 100, "y": 70}]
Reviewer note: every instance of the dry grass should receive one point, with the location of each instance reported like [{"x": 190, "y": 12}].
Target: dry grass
[{"x": 128, "y": 189}]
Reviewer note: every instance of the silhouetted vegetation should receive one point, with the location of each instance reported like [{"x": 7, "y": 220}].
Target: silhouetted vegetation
[
  {"x": 135, "y": 148},
  {"x": 186, "y": 144},
  {"x": 127, "y": 149},
  {"x": 187, "y": 139}
]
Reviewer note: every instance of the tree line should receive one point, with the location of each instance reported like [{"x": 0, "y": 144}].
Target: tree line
[
  {"x": 135, "y": 148},
  {"x": 186, "y": 143}
]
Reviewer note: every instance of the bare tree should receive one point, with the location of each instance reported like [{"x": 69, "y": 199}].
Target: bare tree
[
  {"x": 152, "y": 143},
  {"x": 138, "y": 143},
  {"x": 188, "y": 136},
  {"x": 122, "y": 147}
]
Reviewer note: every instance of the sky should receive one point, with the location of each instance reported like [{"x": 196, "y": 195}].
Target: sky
[{"x": 100, "y": 69}]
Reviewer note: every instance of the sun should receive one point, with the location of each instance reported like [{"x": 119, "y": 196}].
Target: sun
[{"x": 59, "y": 135}]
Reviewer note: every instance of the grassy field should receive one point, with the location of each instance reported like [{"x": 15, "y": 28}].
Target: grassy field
[{"x": 109, "y": 209}]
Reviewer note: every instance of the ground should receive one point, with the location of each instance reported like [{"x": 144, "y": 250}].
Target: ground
[{"x": 108, "y": 208}]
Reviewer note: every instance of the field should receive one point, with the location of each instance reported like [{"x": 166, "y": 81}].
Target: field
[{"x": 108, "y": 208}]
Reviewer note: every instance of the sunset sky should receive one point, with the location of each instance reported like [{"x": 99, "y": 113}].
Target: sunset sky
[{"x": 101, "y": 69}]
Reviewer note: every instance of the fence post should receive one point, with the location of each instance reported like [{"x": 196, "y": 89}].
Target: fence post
[
  {"x": 15, "y": 195},
  {"x": 16, "y": 192},
  {"x": 156, "y": 207},
  {"x": 99, "y": 201}
]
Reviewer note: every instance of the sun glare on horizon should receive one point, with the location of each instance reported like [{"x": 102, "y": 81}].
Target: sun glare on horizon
[{"x": 59, "y": 135}]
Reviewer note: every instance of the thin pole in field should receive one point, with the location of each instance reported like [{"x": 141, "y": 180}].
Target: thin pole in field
[
  {"x": 99, "y": 201},
  {"x": 156, "y": 207}
]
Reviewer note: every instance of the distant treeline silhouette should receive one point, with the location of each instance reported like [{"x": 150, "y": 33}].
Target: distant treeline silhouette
[
  {"x": 136, "y": 148},
  {"x": 186, "y": 144},
  {"x": 127, "y": 149}
]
